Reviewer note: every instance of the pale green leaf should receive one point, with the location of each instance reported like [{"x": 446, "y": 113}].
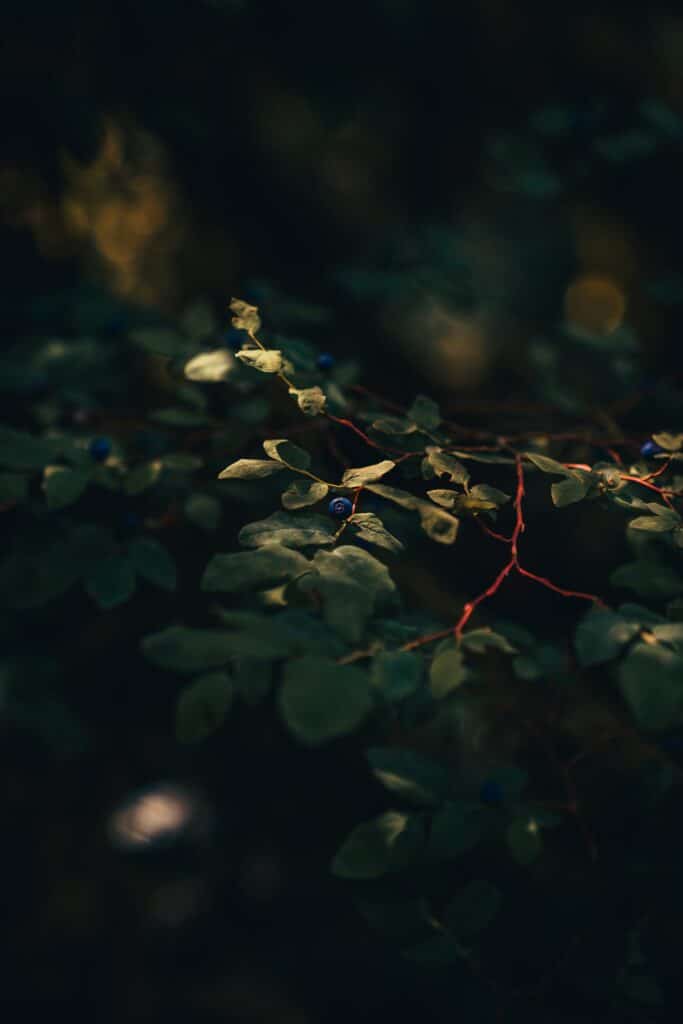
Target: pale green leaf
[
  {"x": 213, "y": 366},
  {"x": 367, "y": 474},
  {"x": 292, "y": 531},
  {"x": 264, "y": 360},
  {"x": 302, "y": 493},
  {"x": 246, "y": 317},
  {"x": 250, "y": 469},
  {"x": 287, "y": 453},
  {"x": 311, "y": 400}
]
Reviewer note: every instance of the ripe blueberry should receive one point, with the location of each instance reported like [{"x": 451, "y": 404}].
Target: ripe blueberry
[
  {"x": 491, "y": 792},
  {"x": 340, "y": 508},
  {"x": 325, "y": 361},
  {"x": 130, "y": 520},
  {"x": 100, "y": 448},
  {"x": 649, "y": 449}
]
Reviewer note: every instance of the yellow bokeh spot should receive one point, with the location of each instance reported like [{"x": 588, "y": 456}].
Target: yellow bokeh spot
[{"x": 594, "y": 304}]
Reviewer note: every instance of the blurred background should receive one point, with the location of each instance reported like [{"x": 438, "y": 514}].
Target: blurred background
[{"x": 480, "y": 200}]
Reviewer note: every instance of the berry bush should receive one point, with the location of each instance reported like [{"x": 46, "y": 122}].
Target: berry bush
[{"x": 524, "y": 751}]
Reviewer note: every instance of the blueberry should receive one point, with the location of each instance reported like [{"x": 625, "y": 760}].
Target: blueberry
[
  {"x": 340, "y": 508},
  {"x": 491, "y": 792},
  {"x": 649, "y": 449},
  {"x": 100, "y": 448},
  {"x": 325, "y": 361},
  {"x": 130, "y": 520}
]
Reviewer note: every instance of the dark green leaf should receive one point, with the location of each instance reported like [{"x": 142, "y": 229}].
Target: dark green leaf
[
  {"x": 152, "y": 561},
  {"x": 111, "y": 582},
  {"x": 371, "y": 849},
  {"x": 203, "y": 706},
  {"x": 397, "y": 674},
  {"x": 63, "y": 486},
  {"x": 321, "y": 699}
]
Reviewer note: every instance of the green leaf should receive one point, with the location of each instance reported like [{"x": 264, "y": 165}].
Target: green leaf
[
  {"x": 669, "y": 442},
  {"x": 473, "y": 908},
  {"x": 250, "y": 469},
  {"x": 246, "y": 317},
  {"x": 524, "y": 840},
  {"x": 485, "y": 457},
  {"x": 264, "y": 360},
  {"x": 203, "y": 510},
  {"x": 152, "y": 561},
  {"x": 213, "y": 366},
  {"x": 439, "y": 463},
  {"x": 203, "y": 706},
  {"x": 600, "y": 636},
  {"x": 367, "y": 474},
  {"x": 456, "y": 828},
  {"x": 444, "y": 497},
  {"x": 484, "y": 492},
  {"x": 368, "y": 527},
  {"x": 311, "y": 401},
  {"x": 63, "y": 486},
  {"x": 302, "y": 493},
  {"x": 353, "y": 585},
  {"x": 287, "y": 453},
  {"x": 669, "y": 633},
  {"x": 397, "y": 674},
  {"x": 439, "y": 525},
  {"x": 290, "y": 531},
  {"x": 268, "y": 566},
  {"x": 479, "y": 640},
  {"x": 410, "y": 776},
  {"x": 111, "y": 582},
  {"x": 187, "y": 650},
  {"x": 372, "y": 848},
  {"x": 569, "y": 491},
  {"x": 547, "y": 465},
  {"x": 651, "y": 682},
  {"x": 424, "y": 412},
  {"x": 142, "y": 477},
  {"x": 394, "y": 425},
  {"x": 648, "y": 579},
  {"x": 13, "y": 488},
  {"x": 320, "y": 699},
  {"x": 446, "y": 673},
  {"x": 653, "y": 524}
]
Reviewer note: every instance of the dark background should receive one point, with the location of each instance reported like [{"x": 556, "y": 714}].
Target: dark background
[{"x": 163, "y": 152}]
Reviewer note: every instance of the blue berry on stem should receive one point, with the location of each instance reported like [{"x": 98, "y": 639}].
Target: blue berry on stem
[
  {"x": 325, "y": 361},
  {"x": 649, "y": 449},
  {"x": 340, "y": 508},
  {"x": 100, "y": 448},
  {"x": 491, "y": 792}
]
